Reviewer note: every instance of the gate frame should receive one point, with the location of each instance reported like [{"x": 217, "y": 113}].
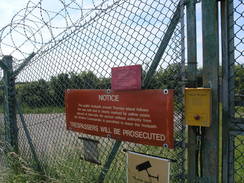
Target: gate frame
[
  {"x": 203, "y": 141},
  {"x": 226, "y": 102},
  {"x": 210, "y": 135},
  {"x": 229, "y": 129}
]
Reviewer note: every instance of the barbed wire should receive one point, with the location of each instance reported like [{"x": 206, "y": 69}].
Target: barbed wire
[{"x": 41, "y": 23}]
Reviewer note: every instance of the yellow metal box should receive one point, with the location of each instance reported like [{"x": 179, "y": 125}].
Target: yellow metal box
[{"x": 198, "y": 106}]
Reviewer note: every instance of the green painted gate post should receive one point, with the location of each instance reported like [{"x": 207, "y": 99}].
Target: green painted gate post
[
  {"x": 11, "y": 128},
  {"x": 227, "y": 34},
  {"x": 210, "y": 140}
]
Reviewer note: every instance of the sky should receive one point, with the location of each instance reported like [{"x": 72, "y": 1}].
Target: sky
[
  {"x": 9, "y": 8},
  {"x": 45, "y": 22}
]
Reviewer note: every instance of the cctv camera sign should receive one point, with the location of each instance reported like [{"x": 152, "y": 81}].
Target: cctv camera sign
[
  {"x": 147, "y": 169},
  {"x": 141, "y": 116}
]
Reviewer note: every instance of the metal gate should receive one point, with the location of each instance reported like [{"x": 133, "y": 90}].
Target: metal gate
[
  {"x": 233, "y": 90},
  {"x": 80, "y": 55},
  {"x": 115, "y": 33}
]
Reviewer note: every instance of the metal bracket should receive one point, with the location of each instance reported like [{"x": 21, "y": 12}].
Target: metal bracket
[
  {"x": 3, "y": 65},
  {"x": 25, "y": 63}
]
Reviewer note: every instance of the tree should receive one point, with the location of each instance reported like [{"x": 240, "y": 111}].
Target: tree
[
  {"x": 89, "y": 80},
  {"x": 58, "y": 85},
  {"x": 169, "y": 77},
  {"x": 104, "y": 83},
  {"x": 239, "y": 79},
  {"x": 34, "y": 94},
  {"x": 239, "y": 84}
]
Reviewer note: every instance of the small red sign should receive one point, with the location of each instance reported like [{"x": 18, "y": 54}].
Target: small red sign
[
  {"x": 143, "y": 116},
  {"x": 126, "y": 77}
]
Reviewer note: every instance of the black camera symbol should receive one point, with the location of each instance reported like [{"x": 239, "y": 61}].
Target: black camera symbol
[{"x": 144, "y": 166}]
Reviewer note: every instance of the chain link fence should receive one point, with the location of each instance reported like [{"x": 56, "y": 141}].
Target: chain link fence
[
  {"x": 2, "y": 139},
  {"x": 75, "y": 47},
  {"x": 236, "y": 27},
  {"x": 81, "y": 57}
]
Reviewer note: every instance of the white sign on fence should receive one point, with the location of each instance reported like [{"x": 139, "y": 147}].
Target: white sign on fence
[{"x": 147, "y": 169}]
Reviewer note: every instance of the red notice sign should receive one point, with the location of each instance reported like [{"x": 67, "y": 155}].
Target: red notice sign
[
  {"x": 126, "y": 77},
  {"x": 144, "y": 116}
]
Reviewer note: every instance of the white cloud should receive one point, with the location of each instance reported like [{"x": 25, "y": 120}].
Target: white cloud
[{"x": 9, "y": 8}]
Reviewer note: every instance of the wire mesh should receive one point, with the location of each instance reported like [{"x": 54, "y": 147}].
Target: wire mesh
[
  {"x": 2, "y": 140},
  {"x": 236, "y": 26},
  {"x": 123, "y": 33}
]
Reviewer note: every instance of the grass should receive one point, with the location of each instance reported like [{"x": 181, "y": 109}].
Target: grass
[
  {"x": 61, "y": 170},
  {"x": 19, "y": 171},
  {"x": 56, "y": 169},
  {"x": 239, "y": 159},
  {"x": 74, "y": 170},
  {"x": 71, "y": 169},
  {"x": 43, "y": 110},
  {"x": 238, "y": 149},
  {"x": 239, "y": 112},
  {"x": 39, "y": 110}
]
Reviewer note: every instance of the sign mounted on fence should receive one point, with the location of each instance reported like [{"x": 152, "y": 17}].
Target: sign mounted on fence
[
  {"x": 198, "y": 106},
  {"x": 143, "y": 116},
  {"x": 144, "y": 169},
  {"x": 126, "y": 77}
]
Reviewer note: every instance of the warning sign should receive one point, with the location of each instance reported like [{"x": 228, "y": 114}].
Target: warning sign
[
  {"x": 144, "y": 116},
  {"x": 126, "y": 77},
  {"x": 147, "y": 169},
  {"x": 198, "y": 106}
]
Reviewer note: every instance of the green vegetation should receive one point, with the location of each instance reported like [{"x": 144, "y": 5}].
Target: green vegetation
[
  {"x": 239, "y": 158},
  {"x": 19, "y": 171},
  {"x": 48, "y": 96},
  {"x": 239, "y": 79},
  {"x": 40, "y": 110},
  {"x": 72, "y": 169},
  {"x": 43, "y": 110},
  {"x": 45, "y": 95},
  {"x": 239, "y": 111}
]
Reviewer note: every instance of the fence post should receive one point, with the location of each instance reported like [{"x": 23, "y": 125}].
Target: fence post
[
  {"x": 210, "y": 138},
  {"x": 227, "y": 34},
  {"x": 11, "y": 128},
  {"x": 192, "y": 151},
  {"x": 11, "y": 106}
]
